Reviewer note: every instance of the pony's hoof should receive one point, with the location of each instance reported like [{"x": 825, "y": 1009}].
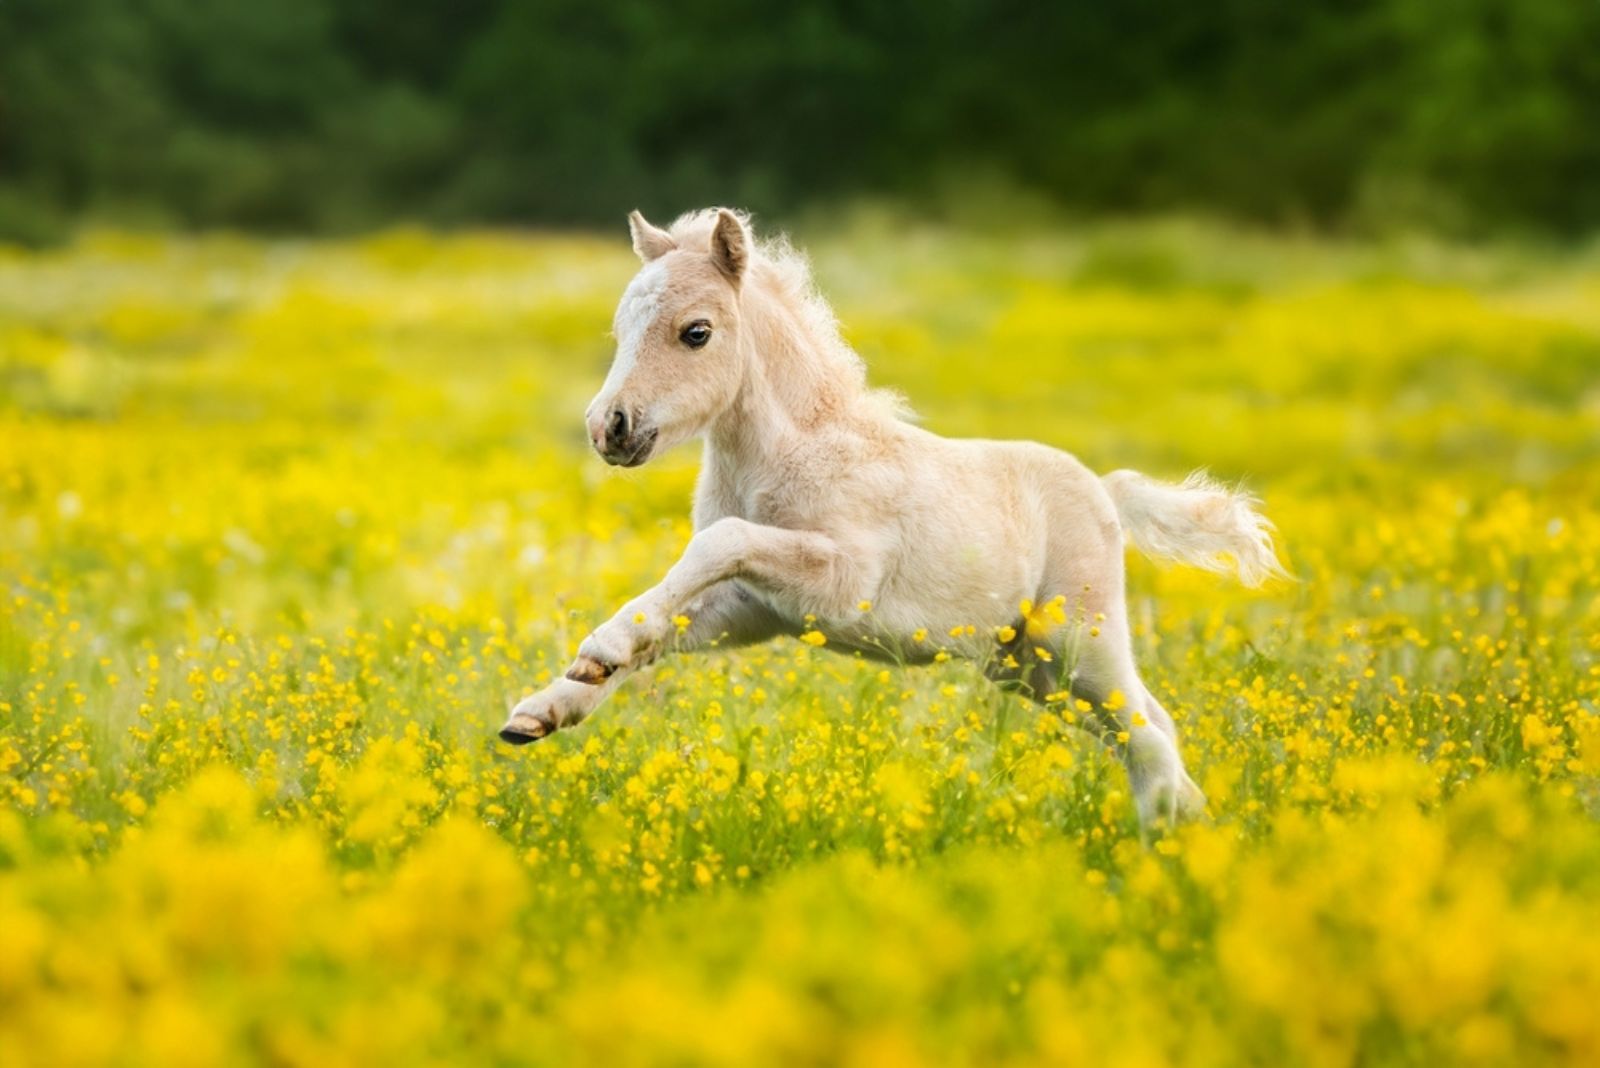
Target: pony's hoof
[
  {"x": 525, "y": 727},
  {"x": 590, "y": 671},
  {"x": 1172, "y": 803}
]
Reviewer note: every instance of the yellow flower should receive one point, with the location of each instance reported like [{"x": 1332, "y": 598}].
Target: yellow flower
[
  {"x": 1433, "y": 700},
  {"x": 1535, "y": 733},
  {"x": 1040, "y": 620}
]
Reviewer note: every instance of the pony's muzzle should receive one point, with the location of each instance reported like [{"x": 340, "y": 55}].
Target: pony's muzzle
[{"x": 622, "y": 442}]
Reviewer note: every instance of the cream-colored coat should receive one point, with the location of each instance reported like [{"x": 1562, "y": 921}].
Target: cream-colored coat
[{"x": 819, "y": 505}]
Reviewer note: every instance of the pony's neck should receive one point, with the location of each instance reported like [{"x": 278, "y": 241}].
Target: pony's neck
[{"x": 793, "y": 385}]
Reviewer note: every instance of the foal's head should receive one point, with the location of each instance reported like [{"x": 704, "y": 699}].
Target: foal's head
[{"x": 678, "y": 363}]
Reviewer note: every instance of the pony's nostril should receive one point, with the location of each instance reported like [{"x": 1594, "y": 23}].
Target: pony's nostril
[{"x": 617, "y": 425}]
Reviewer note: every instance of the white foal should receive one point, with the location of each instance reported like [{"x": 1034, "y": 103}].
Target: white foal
[{"x": 817, "y": 501}]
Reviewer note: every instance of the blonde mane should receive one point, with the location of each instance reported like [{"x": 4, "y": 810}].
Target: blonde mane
[{"x": 784, "y": 274}]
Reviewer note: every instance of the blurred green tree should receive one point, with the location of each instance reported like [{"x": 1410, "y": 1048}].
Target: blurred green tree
[{"x": 339, "y": 114}]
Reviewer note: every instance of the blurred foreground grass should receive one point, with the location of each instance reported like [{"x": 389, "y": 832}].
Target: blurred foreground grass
[{"x": 283, "y": 528}]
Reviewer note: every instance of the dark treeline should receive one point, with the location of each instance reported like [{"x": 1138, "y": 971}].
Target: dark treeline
[{"x": 341, "y": 114}]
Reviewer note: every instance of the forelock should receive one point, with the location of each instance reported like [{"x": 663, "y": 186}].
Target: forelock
[{"x": 692, "y": 230}]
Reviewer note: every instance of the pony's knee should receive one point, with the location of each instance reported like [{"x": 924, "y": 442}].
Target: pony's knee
[
  {"x": 1099, "y": 677},
  {"x": 725, "y": 540}
]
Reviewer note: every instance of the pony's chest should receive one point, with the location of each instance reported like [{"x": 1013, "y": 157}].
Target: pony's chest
[{"x": 784, "y": 502}]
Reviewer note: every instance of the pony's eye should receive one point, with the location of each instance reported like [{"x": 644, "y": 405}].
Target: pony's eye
[{"x": 696, "y": 334}]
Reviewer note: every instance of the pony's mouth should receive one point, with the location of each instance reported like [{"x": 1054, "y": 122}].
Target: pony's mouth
[{"x": 637, "y": 454}]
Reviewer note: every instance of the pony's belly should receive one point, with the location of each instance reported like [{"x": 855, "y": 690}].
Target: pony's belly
[
  {"x": 954, "y": 595},
  {"x": 913, "y": 631},
  {"x": 891, "y": 632}
]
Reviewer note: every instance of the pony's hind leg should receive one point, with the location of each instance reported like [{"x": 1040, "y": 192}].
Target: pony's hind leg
[
  {"x": 1083, "y": 567},
  {"x": 1126, "y": 713}
]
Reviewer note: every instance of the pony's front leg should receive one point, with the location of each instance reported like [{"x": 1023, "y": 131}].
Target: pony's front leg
[
  {"x": 725, "y": 614},
  {"x": 803, "y": 568},
  {"x": 662, "y": 619},
  {"x": 563, "y": 703}
]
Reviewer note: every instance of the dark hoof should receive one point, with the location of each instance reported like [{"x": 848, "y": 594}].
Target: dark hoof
[{"x": 518, "y": 737}]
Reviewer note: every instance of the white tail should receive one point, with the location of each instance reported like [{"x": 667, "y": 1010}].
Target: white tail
[{"x": 1199, "y": 522}]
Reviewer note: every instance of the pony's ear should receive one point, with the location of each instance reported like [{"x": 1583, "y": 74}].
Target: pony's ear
[
  {"x": 730, "y": 245},
  {"x": 649, "y": 241}
]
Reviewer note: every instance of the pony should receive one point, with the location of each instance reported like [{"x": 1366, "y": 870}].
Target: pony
[{"x": 821, "y": 506}]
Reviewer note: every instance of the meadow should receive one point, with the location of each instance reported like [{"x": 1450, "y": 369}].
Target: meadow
[{"x": 286, "y": 526}]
